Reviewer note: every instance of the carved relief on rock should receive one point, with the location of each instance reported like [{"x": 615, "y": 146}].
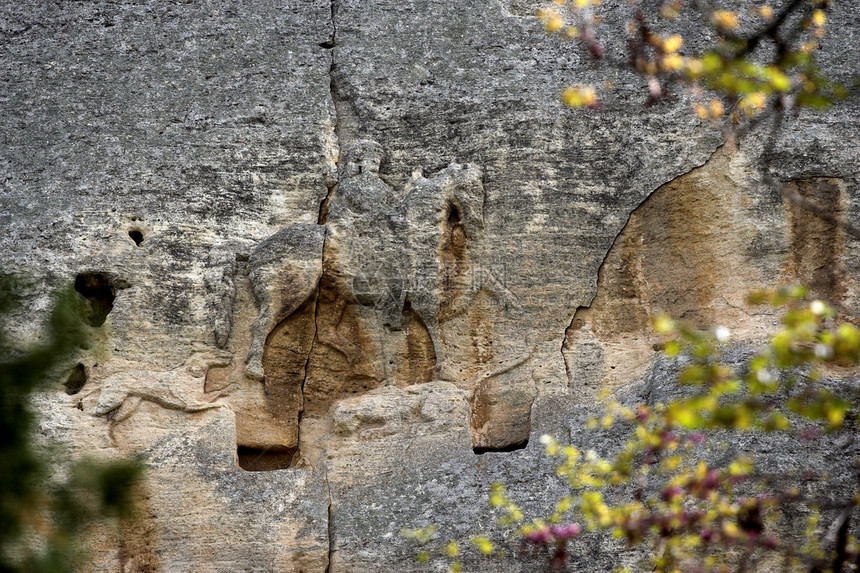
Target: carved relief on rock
[
  {"x": 398, "y": 296},
  {"x": 324, "y": 332}
]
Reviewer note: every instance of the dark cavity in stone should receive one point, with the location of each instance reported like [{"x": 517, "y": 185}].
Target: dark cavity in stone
[
  {"x": 76, "y": 380},
  {"x": 453, "y": 215},
  {"x": 504, "y": 449},
  {"x": 254, "y": 460},
  {"x": 100, "y": 294},
  {"x": 136, "y": 236}
]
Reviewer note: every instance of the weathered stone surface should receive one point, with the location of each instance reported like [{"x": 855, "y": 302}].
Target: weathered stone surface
[
  {"x": 433, "y": 407},
  {"x": 694, "y": 249},
  {"x": 284, "y": 271},
  {"x": 334, "y": 254},
  {"x": 272, "y": 520}
]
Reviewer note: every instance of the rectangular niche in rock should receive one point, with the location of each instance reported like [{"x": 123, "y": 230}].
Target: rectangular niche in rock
[{"x": 254, "y": 460}]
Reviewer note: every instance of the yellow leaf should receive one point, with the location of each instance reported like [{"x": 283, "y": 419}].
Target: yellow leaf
[
  {"x": 672, "y": 463},
  {"x": 554, "y": 23},
  {"x": 694, "y": 68},
  {"x": 740, "y": 467},
  {"x": 712, "y": 63},
  {"x": 571, "y": 453},
  {"x": 810, "y": 46},
  {"x": 835, "y": 416},
  {"x": 483, "y": 544},
  {"x": 778, "y": 80},
  {"x": 685, "y": 416},
  {"x": 579, "y": 96},
  {"x": 725, "y": 19},
  {"x": 716, "y": 108},
  {"x": 663, "y": 324},
  {"x": 819, "y": 18},
  {"x": 673, "y": 62},
  {"x": 673, "y": 43},
  {"x": 753, "y": 103}
]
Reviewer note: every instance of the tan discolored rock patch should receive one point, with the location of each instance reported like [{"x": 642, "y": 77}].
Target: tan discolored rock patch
[{"x": 693, "y": 250}]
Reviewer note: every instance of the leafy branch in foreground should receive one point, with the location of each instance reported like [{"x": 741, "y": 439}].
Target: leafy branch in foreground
[
  {"x": 739, "y": 67},
  {"x": 687, "y": 509},
  {"x": 43, "y": 516},
  {"x": 760, "y": 60}
]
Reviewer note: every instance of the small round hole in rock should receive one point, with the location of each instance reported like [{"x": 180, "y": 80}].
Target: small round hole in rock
[
  {"x": 136, "y": 236},
  {"x": 76, "y": 380}
]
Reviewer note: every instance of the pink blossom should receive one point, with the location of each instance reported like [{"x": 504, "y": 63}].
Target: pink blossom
[
  {"x": 565, "y": 532},
  {"x": 539, "y": 536}
]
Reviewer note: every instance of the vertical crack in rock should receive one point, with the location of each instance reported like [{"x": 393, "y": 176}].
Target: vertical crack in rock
[
  {"x": 308, "y": 358},
  {"x": 333, "y": 40},
  {"x": 333, "y": 136},
  {"x": 309, "y": 312},
  {"x": 284, "y": 271},
  {"x": 334, "y": 157},
  {"x": 323, "y": 216},
  {"x": 330, "y": 527}
]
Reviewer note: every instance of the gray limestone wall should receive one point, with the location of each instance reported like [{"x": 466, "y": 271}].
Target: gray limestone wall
[{"x": 350, "y": 254}]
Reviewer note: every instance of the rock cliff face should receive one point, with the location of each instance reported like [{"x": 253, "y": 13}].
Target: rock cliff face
[{"x": 344, "y": 261}]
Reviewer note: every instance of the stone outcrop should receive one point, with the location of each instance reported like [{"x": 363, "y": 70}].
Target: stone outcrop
[{"x": 343, "y": 261}]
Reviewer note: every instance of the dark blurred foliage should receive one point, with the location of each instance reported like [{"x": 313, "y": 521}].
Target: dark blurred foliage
[{"x": 47, "y": 506}]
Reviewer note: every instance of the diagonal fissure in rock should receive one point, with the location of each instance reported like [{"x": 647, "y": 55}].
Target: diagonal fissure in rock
[{"x": 582, "y": 311}]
